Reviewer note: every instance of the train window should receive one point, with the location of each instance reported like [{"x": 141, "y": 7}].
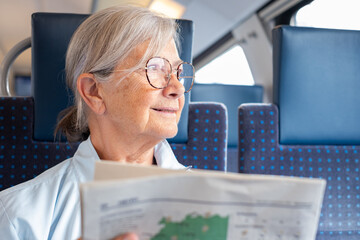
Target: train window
[
  {"x": 230, "y": 67},
  {"x": 329, "y": 14},
  {"x": 22, "y": 85}
]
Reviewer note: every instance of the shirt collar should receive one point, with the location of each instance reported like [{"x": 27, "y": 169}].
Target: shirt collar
[
  {"x": 85, "y": 158},
  {"x": 165, "y": 157},
  {"x": 86, "y": 153}
]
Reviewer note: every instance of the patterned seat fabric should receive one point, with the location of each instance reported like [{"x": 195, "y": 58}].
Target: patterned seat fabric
[
  {"x": 22, "y": 158},
  {"x": 207, "y": 144},
  {"x": 231, "y": 96},
  {"x": 261, "y": 153}
]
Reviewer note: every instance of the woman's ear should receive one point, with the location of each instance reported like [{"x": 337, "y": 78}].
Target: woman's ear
[{"x": 90, "y": 91}]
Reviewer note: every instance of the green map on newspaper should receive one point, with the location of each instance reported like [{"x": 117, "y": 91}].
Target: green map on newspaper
[{"x": 194, "y": 227}]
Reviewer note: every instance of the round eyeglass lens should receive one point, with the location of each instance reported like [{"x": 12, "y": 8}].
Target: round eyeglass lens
[
  {"x": 157, "y": 70},
  {"x": 186, "y": 75}
]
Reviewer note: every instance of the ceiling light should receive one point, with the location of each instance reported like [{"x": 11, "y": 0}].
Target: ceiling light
[{"x": 169, "y": 8}]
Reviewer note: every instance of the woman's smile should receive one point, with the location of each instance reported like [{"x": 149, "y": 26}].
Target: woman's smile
[{"x": 167, "y": 111}]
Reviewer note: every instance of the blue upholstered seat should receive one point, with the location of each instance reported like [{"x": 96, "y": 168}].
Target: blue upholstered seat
[
  {"x": 261, "y": 153},
  {"x": 27, "y": 146},
  {"x": 231, "y": 96},
  {"x": 308, "y": 76}
]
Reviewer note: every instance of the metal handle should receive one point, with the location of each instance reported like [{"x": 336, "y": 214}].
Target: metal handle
[{"x": 5, "y": 85}]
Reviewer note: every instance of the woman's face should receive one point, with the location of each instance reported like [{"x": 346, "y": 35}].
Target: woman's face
[{"x": 136, "y": 109}]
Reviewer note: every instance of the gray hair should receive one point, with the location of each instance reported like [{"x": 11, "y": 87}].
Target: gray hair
[{"x": 100, "y": 43}]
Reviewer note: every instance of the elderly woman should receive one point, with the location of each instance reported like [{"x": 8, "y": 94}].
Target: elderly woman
[{"x": 129, "y": 83}]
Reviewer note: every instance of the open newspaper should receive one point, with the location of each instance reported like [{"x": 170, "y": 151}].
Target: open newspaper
[{"x": 160, "y": 204}]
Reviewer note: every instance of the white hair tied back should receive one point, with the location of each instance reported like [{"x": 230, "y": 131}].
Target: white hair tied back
[{"x": 100, "y": 43}]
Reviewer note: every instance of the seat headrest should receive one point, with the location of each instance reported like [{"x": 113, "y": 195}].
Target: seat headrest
[{"x": 316, "y": 85}]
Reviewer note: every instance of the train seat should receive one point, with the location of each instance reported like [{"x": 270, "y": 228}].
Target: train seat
[
  {"x": 27, "y": 146},
  {"x": 232, "y": 96},
  {"x": 312, "y": 129}
]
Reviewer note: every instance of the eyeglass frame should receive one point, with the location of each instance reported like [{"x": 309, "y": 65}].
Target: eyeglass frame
[{"x": 169, "y": 76}]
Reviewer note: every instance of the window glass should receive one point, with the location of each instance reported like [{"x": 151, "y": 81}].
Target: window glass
[
  {"x": 337, "y": 14},
  {"x": 23, "y": 85},
  {"x": 229, "y": 68}
]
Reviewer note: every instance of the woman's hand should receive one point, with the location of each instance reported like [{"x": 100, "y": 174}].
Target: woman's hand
[{"x": 127, "y": 236}]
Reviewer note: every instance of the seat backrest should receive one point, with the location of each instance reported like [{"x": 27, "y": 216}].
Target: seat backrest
[
  {"x": 51, "y": 34},
  {"x": 206, "y": 147},
  {"x": 21, "y": 157},
  {"x": 316, "y": 82},
  {"x": 262, "y": 148},
  {"x": 231, "y": 96},
  {"x": 261, "y": 153}
]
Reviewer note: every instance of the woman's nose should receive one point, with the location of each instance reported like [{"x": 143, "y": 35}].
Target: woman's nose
[{"x": 175, "y": 89}]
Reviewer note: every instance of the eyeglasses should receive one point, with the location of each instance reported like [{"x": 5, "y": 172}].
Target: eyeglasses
[{"x": 159, "y": 70}]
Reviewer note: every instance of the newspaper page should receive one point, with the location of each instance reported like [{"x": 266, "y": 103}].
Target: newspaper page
[{"x": 160, "y": 204}]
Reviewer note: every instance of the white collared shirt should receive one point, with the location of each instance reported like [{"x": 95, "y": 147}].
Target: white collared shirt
[{"x": 48, "y": 206}]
